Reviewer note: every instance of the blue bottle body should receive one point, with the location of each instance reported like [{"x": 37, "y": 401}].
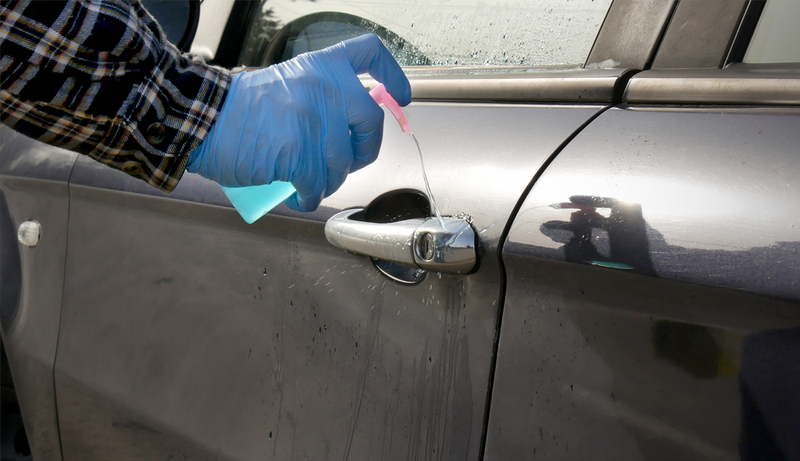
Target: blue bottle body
[{"x": 254, "y": 202}]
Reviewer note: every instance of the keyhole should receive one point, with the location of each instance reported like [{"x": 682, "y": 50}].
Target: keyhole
[{"x": 426, "y": 247}]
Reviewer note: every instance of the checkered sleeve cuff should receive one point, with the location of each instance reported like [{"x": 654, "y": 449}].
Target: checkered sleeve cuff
[{"x": 98, "y": 77}]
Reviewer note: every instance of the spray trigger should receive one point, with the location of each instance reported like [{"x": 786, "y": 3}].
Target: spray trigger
[{"x": 382, "y": 97}]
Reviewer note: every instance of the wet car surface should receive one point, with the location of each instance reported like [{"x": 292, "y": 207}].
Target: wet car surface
[{"x": 635, "y": 205}]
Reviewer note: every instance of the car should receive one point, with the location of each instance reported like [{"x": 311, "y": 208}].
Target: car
[{"x": 624, "y": 176}]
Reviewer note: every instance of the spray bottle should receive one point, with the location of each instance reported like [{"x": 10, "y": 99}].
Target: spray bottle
[{"x": 253, "y": 202}]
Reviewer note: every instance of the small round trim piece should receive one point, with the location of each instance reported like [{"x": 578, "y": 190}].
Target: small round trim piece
[{"x": 29, "y": 233}]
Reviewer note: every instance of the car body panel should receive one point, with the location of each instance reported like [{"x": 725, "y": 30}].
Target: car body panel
[
  {"x": 645, "y": 305},
  {"x": 211, "y": 27},
  {"x": 631, "y": 32},
  {"x": 33, "y": 186},
  {"x": 653, "y": 286},
  {"x": 710, "y": 22},
  {"x": 186, "y": 330}
]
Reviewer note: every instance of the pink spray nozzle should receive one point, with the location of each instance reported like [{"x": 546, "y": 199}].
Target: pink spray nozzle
[{"x": 381, "y": 96}]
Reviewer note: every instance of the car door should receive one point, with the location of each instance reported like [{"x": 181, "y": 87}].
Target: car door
[
  {"x": 652, "y": 305},
  {"x": 33, "y": 198},
  {"x": 187, "y": 332}
]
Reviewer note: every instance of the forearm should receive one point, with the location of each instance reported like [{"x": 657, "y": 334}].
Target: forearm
[{"x": 98, "y": 77}]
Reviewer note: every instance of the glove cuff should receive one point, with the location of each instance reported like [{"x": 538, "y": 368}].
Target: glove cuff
[{"x": 203, "y": 157}]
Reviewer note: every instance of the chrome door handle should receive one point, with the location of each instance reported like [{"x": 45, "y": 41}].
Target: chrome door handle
[{"x": 419, "y": 243}]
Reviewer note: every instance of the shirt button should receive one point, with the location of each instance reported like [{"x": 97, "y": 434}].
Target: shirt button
[
  {"x": 156, "y": 133},
  {"x": 132, "y": 168}
]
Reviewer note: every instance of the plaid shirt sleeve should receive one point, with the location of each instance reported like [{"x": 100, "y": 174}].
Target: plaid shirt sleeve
[{"x": 99, "y": 77}]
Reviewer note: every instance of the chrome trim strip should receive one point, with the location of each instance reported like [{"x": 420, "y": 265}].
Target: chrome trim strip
[
  {"x": 736, "y": 84},
  {"x": 525, "y": 85}
]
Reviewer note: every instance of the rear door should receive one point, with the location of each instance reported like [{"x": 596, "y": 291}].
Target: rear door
[
  {"x": 187, "y": 332},
  {"x": 653, "y": 304}
]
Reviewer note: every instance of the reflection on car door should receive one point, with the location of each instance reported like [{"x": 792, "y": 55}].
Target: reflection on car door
[
  {"x": 652, "y": 299},
  {"x": 652, "y": 303}
]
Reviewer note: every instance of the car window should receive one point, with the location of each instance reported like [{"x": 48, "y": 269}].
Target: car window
[
  {"x": 777, "y": 35},
  {"x": 176, "y": 19},
  {"x": 436, "y": 33}
]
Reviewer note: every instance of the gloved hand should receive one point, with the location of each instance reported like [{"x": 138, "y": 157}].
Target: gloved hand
[{"x": 308, "y": 121}]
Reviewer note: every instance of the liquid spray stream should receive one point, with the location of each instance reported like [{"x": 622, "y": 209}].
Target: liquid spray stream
[
  {"x": 427, "y": 184},
  {"x": 382, "y": 97},
  {"x": 254, "y": 202}
]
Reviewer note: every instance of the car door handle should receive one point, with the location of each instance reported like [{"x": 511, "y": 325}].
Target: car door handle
[{"x": 419, "y": 242}]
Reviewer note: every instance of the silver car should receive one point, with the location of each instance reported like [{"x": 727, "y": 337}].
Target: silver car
[{"x": 624, "y": 281}]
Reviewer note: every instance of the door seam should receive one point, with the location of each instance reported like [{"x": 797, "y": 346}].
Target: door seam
[
  {"x": 61, "y": 310},
  {"x": 503, "y": 276}
]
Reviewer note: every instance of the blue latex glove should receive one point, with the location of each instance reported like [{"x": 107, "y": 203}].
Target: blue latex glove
[{"x": 308, "y": 121}]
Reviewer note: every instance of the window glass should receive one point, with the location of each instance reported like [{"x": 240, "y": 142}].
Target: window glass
[
  {"x": 777, "y": 36},
  {"x": 433, "y": 32},
  {"x": 175, "y": 19}
]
